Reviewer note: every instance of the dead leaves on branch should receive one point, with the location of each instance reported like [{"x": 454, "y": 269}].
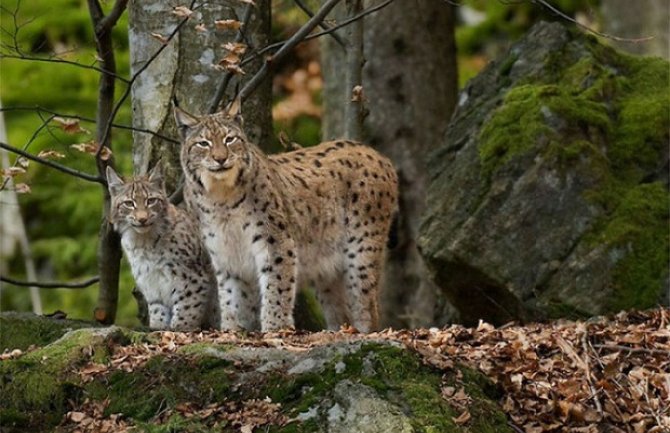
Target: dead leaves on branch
[
  {"x": 92, "y": 148},
  {"x": 70, "y": 126}
]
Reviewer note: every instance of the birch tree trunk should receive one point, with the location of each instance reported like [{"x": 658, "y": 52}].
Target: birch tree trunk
[
  {"x": 409, "y": 90},
  {"x": 185, "y": 70}
]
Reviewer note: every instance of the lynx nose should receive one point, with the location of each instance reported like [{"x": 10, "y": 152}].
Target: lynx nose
[{"x": 141, "y": 217}]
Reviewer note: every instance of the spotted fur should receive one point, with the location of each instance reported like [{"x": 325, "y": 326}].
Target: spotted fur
[
  {"x": 162, "y": 244},
  {"x": 318, "y": 216}
]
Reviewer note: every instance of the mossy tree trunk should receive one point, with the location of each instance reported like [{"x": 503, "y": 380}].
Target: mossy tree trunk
[{"x": 409, "y": 90}]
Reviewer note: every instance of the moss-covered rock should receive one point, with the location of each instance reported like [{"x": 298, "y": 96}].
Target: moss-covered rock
[
  {"x": 550, "y": 194},
  {"x": 205, "y": 386}
]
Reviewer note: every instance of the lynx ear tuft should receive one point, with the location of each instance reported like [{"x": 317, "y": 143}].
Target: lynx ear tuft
[
  {"x": 184, "y": 120},
  {"x": 156, "y": 175},
  {"x": 234, "y": 110},
  {"x": 114, "y": 181}
]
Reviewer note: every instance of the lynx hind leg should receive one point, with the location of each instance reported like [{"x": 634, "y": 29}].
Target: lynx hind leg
[{"x": 331, "y": 296}]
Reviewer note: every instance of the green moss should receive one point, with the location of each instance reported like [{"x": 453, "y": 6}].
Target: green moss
[
  {"x": 168, "y": 381},
  {"x": 397, "y": 375},
  {"x": 41, "y": 382},
  {"x": 608, "y": 114},
  {"x": 638, "y": 228},
  {"x": 515, "y": 127},
  {"x": 20, "y": 331}
]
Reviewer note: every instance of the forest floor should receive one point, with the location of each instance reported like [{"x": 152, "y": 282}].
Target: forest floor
[{"x": 605, "y": 374}]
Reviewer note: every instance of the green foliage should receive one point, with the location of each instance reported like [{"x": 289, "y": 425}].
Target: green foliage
[{"x": 62, "y": 214}]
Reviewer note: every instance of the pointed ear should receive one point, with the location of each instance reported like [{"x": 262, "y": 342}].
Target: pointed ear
[
  {"x": 156, "y": 175},
  {"x": 184, "y": 121},
  {"x": 234, "y": 110},
  {"x": 114, "y": 182}
]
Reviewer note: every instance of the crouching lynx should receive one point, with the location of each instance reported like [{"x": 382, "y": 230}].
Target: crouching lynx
[
  {"x": 317, "y": 216},
  {"x": 162, "y": 244}
]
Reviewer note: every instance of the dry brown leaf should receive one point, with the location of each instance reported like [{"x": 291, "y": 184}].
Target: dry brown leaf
[
  {"x": 200, "y": 28},
  {"x": 162, "y": 39},
  {"x": 92, "y": 148},
  {"x": 70, "y": 126},
  {"x": 182, "y": 11},
  {"x": 50, "y": 154},
  {"x": 463, "y": 418},
  {"x": 22, "y": 188},
  {"x": 357, "y": 94},
  {"x": 22, "y": 161},
  {"x": 235, "y": 47},
  {"x": 13, "y": 171},
  {"x": 227, "y": 24}
]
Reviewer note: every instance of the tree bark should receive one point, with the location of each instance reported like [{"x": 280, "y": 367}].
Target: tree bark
[
  {"x": 625, "y": 19},
  {"x": 410, "y": 86},
  {"x": 185, "y": 70},
  {"x": 109, "y": 243}
]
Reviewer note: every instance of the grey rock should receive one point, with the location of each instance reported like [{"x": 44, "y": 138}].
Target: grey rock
[{"x": 517, "y": 225}]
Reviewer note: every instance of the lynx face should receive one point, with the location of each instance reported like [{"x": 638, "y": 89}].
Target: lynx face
[
  {"x": 136, "y": 205},
  {"x": 215, "y": 153}
]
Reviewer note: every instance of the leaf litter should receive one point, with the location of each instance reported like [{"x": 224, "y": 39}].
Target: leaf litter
[{"x": 604, "y": 374}]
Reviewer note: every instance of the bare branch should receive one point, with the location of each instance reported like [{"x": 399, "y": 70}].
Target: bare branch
[
  {"x": 51, "y": 285},
  {"x": 54, "y": 165},
  {"x": 106, "y": 23},
  {"x": 342, "y": 24},
  {"x": 223, "y": 84},
  {"x": 54, "y": 59},
  {"x": 41, "y": 109},
  {"x": 322, "y": 24},
  {"x": 287, "y": 46}
]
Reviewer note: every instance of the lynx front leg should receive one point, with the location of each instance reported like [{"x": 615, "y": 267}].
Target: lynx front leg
[
  {"x": 277, "y": 267},
  {"x": 159, "y": 316},
  {"x": 230, "y": 289}
]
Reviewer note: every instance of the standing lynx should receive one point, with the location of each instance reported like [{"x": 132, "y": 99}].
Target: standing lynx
[
  {"x": 317, "y": 216},
  {"x": 162, "y": 244}
]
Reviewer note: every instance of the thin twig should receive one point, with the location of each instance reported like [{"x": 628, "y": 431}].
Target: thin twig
[
  {"x": 51, "y": 285},
  {"x": 322, "y": 24},
  {"x": 39, "y": 108},
  {"x": 223, "y": 84},
  {"x": 589, "y": 29},
  {"x": 589, "y": 376},
  {"x": 53, "y": 59},
  {"x": 287, "y": 46},
  {"x": 632, "y": 349},
  {"x": 25, "y": 147},
  {"x": 344, "y": 23},
  {"x": 54, "y": 165}
]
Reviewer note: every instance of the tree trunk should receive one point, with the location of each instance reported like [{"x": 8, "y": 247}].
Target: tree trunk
[
  {"x": 410, "y": 88},
  {"x": 185, "y": 70},
  {"x": 626, "y": 19}
]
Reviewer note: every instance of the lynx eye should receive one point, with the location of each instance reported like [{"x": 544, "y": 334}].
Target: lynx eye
[
  {"x": 229, "y": 140},
  {"x": 129, "y": 204},
  {"x": 203, "y": 143},
  {"x": 151, "y": 201}
]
